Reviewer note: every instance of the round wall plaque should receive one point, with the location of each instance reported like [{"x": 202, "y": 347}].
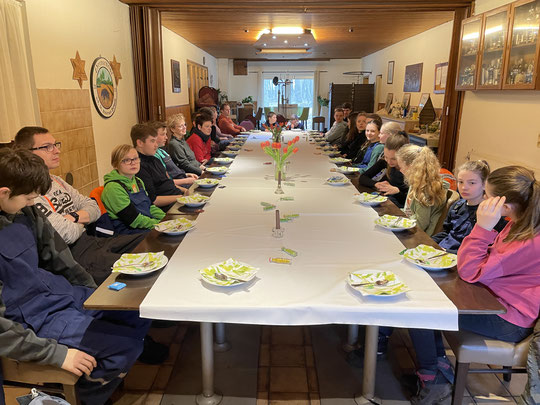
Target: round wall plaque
[{"x": 104, "y": 90}]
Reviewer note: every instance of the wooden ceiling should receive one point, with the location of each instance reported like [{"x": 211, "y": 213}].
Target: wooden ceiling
[{"x": 218, "y": 26}]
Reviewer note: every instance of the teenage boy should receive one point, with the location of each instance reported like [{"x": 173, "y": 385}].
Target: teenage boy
[
  {"x": 159, "y": 185},
  {"x": 69, "y": 211},
  {"x": 338, "y": 130},
  {"x": 179, "y": 176},
  {"x": 42, "y": 291}
]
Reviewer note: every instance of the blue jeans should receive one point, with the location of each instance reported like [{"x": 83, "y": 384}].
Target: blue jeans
[{"x": 428, "y": 344}]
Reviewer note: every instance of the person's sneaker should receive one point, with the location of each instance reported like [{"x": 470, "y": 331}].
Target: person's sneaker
[
  {"x": 153, "y": 352},
  {"x": 433, "y": 389},
  {"x": 445, "y": 368}
]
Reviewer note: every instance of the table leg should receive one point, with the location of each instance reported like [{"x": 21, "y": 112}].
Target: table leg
[
  {"x": 220, "y": 343},
  {"x": 370, "y": 368},
  {"x": 208, "y": 396},
  {"x": 352, "y": 338}
]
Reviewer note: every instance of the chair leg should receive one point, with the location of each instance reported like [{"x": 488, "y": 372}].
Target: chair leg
[
  {"x": 70, "y": 393},
  {"x": 462, "y": 370},
  {"x": 507, "y": 376}
]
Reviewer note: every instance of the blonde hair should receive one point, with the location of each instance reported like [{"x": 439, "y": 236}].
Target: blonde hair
[
  {"x": 391, "y": 128},
  {"x": 172, "y": 121},
  {"x": 480, "y": 167},
  {"x": 119, "y": 153},
  {"x": 522, "y": 190},
  {"x": 423, "y": 177}
]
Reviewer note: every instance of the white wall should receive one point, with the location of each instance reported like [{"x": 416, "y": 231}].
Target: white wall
[
  {"x": 177, "y": 48},
  {"x": 59, "y": 28},
  {"x": 429, "y": 47},
  {"x": 500, "y": 126}
]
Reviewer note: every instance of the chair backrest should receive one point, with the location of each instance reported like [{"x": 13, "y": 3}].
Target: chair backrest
[
  {"x": 317, "y": 121},
  {"x": 451, "y": 197},
  {"x": 305, "y": 114},
  {"x": 258, "y": 116},
  {"x": 267, "y": 111},
  {"x": 247, "y": 124},
  {"x": 96, "y": 195},
  {"x": 281, "y": 119},
  {"x": 448, "y": 178}
]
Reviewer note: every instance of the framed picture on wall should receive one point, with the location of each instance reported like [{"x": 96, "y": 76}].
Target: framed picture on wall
[
  {"x": 406, "y": 100},
  {"x": 175, "y": 75},
  {"x": 389, "y": 101},
  {"x": 423, "y": 99},
  {"x": 390, "y": 73},
  {"x": 441, "y": 72},
  {"x": 413, "y": 78}
]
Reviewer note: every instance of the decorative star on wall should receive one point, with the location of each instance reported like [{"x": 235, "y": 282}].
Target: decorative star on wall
[
  {"x": 78, "y": 69},
  {"x": 115, "y": 66}
]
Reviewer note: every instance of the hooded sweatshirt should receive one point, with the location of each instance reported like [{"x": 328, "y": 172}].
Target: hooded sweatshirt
[{"x": 116, "y": 201}]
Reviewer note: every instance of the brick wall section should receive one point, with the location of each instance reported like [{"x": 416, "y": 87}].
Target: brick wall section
[{"x": 67, "y": 115}]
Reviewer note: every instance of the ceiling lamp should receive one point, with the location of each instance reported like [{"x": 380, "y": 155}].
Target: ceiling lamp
[{"x": 285, "y": 40}]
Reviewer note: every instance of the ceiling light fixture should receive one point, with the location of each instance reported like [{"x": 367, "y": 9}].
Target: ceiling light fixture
[
  {"x": 288, "y": 30},
  {"x": 284, "y": 50}
]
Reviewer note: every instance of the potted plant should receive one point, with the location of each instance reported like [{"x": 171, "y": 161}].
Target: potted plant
[
  {"x": 323, "y": 102},
  {"x": 247, "y": 100}
]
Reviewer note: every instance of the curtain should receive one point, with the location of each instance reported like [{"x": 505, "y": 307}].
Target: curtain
[{"x": 17, "y": 98}]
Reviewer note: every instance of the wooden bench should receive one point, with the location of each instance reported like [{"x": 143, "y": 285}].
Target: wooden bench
[{"x": 36, "y": 375}]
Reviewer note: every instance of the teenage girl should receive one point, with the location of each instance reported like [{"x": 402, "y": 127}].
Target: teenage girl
[
  {"x": 506, "y": 262},
  {"x": 372, "y": 148},
  {"x": 384, "y": 175},
  {"x": 427, "y": 196},
  {"x": 461, "y": 218},
  {"x": 356, "y": 136}
]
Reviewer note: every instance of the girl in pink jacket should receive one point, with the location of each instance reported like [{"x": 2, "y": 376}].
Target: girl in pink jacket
[{"x": 507, "y": 263}]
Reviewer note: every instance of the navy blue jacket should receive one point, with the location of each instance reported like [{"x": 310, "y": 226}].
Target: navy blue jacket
[{"x": 458, "y": 224}]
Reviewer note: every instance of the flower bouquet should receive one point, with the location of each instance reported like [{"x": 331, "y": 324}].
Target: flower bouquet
[
  {"x": 275, "y": 130},
  {"x": 279, "y": 155}
]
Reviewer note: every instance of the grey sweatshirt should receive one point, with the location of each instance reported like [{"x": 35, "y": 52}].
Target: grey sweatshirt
[{"x": 61, "y": 200}]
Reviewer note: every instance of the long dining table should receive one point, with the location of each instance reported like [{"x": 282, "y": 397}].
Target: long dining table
[{"x": 333, "y": 235}]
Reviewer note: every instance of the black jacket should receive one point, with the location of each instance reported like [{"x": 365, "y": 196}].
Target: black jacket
[
  {"x": 377, "y": 173},
  {"x": 155, "y": 178}
]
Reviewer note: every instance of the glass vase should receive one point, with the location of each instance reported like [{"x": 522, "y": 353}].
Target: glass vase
[{"x": 280, "y": 168}]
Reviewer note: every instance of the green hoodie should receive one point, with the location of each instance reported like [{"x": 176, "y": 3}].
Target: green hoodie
[{"x": 115, "y": 199}]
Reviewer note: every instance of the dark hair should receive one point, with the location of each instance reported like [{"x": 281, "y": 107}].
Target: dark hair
[
  {"x": 222, "y": 106},
  {"x": 522, "y": 190},
  {"x": 352, "y": 129},
  {"x": 270, "y": 114},
  {"x": 23, "y": 172},
  {"x": 139, "y": 132},
  {"x": 375, "y": 118},
  {"x": 157, "y": 124},
  {"x": 202, "y": 117},
  {"x": 25, "y": 137},
  {"x": 378, "y": 124},
  {"x": 348, "y": 106},
  {"x": 396, "y": 141},
  {"x": 207, "y": 110}
]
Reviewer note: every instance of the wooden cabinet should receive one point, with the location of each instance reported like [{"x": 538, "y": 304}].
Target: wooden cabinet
[
  {"x": 500, "y": 48},
  {"x": 469, "y": 48},
  {"x": 521, "y": 67},
  {"x": 493, "y": 49}
]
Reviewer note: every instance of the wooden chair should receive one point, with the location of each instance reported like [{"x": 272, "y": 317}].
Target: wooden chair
[
  {"x": 472, "y": 348},
  {"x": 31, "y": 375},
  {"x": 318, "y": 121},
  {"x": 304, "y": 116},
  {"x": 451, "y": 197},
  {"x": 96, "y": 195}
]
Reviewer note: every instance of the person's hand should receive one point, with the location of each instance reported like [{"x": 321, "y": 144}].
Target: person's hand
[
  {"x": 243, "y": 129},
  {"x": 204, "y": 161},
  {"x": 202, "y": 167},
  {"x": 192, "y": 175},
  {"x": 69, "y": 218},
  {"x": 490, "y": 212},
  {"x": 78, "y": 362},
  {"x": 386, "y": 188}
]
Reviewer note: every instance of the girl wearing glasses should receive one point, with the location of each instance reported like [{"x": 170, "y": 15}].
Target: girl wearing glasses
[{"x": 124, "y": 196}]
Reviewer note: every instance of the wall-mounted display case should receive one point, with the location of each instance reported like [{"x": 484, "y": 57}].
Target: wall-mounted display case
[
  {"x": 469, "y": 48},
  {"x": 523, "y": 46},
  {"x": 493, "y": 49}
]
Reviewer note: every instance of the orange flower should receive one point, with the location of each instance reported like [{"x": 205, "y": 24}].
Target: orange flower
[
  {"x": 265, "y": 126},
  {"x": 276, "y": 145},
  {"x": 263, "y": 144},
  {"x": 285, "y": 150},
  {"x": 295, "y": 150},
  {"x": 290, "y": 143},
  {"x": 296, "y": 138}
]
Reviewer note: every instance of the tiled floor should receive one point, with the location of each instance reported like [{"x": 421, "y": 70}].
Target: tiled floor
[{"x": 283, "y": 366}]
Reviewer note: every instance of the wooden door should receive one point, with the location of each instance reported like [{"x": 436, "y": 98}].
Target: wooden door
[{"x": 197, "y": 78}]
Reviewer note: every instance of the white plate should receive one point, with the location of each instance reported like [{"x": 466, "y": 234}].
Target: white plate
[
  {"x": 207, "y": 274},
  {"x": 230, "y": 153},
  {"x": 175, "y": 226},
  {"x": 234, "y": 147},
  {"x": 370, "y": 199},
  {"x": 425, "y": 252},
  {"x": 207, "y": 183},
  {"x": 393, "y": 288},
  {"x": 217, "y": 170},
  {"x": 404, "y": 223},
  {"x": 337, "y": 181},
  {"x": 191, "y": 200},
  {"x": 223, "y": 161},
  {"x": 157, "y": 264},
  {"x": 348, "y": 169}
]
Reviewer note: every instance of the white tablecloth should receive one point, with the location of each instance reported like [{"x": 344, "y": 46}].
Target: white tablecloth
[{"x": 333, "y": 236}]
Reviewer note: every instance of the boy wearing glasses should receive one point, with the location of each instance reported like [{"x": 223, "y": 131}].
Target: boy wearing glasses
[
  {"x": 69, "y": 211},
  {"x": 42, "y": 291}
]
